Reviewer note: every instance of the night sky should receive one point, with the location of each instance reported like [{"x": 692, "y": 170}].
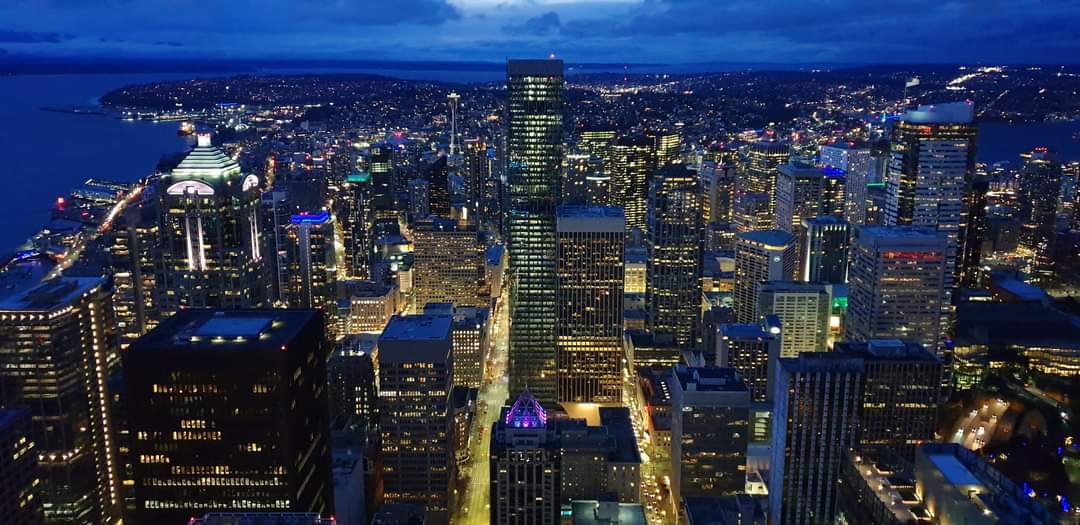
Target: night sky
[{"x": 663, "y": 31}]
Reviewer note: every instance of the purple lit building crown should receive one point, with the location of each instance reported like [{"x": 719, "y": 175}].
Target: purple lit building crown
[{"x": 526, "y": 412}]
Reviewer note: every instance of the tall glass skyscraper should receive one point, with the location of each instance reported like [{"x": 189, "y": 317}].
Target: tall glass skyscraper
[
  {"x": 674, "y": 264},
  {"x": 535, "y": 156},
  {"x": 1040, "y": 188}
]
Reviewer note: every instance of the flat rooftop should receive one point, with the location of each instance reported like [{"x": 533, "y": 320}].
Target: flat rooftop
[
  {"x": 710, "y": 379},
  {"x": 423, "y": 327},
  {"x": 767, "y": 237},
  {"x": 50, "y": 295},
  {"x": 226, "y": 329}
]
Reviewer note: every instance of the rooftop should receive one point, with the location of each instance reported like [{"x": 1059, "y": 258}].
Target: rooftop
[
  {"x": 226, "y": 329},
  {"x": 261, "y": 518},
  {"x": 534, "y": 67},
  {"x": 886, "y": 349},
  {"x": 769, "y": 238},
  {"x": 51, "y": 294},
  {"x": 1015, "y": 323},
  {"x": 593, "y": 512},
  {"x": 710, "y": 379},
  {"x": 422, "y": 327},
  {"x": 206, "y": 160},
  {"x": 947, "y": 113}
]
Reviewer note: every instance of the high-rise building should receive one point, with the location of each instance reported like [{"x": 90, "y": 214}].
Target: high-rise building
[
  {"x": 58, "y": 347},
  {"x": 855, "y": 162},
  {"x": 210, "y": 251},
  {"x": 805, "y": 191},
  {"x": 357, "y": 217},
  {"x": 896, "y": 285},
  {"x": 629, "y": 170},
  {"x": 535, "y": 156},
  {"x": 585, "y": 181},
  {"x": 312, "y": 268},
  {"x": 931, "y": 168},
  {"x": 710, "y": 432},
  {"x": 825, "y": 247},
  {"x": 449, "y": 262},
  {"x": 636, "y": 271},
  {"x": 752, "y": 212},
  {"x": 415, "y": 369},
  {"x": 20, "y": 503},
  {"x": 901, "y": 390},
  {"x": 132, "y": 255},
  {"x": 763, "y": 158},
  {"x": 437, "y": 174},
  {"x": 817, "y": 401},
  {"x": 665, "y": 147},
  {"x": 674, "y": 247},
  {"x": 803, "y": 309},
  {"x": 382, "y": 184},
  {"x": 524, "y": 465},
  {"x": 589, "y": 295},
  {"x": 469, "y": 342},
  {"x": 753, "y": 350},
  {"x": 766, "y": 255},
  {"x": 228, "y": 412},
  {"x": 351, "y": 376},
  {"x": 718, "y": 187},
  {"x": 1040, "y": 188}
]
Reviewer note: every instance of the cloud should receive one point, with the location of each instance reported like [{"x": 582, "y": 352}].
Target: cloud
[
  {"x": 32, "y": 37},
  {"x": 544, "y": 24}
]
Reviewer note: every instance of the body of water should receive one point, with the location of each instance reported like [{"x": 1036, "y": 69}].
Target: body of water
[{"x": 48, "y": 153}]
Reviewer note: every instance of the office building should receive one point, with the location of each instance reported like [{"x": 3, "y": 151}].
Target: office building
[
  {"x": 825, "y": 246},
  {"x": 752, "y": 212},
  {"x": 20, "y": 503},
  {"x": 311, "y": 273},
  {"x": 469, "y": 339},
  {"x": 718, "y": 188},
  {"x": 132, "y": 256},
  {"x": 817, "y": 401},
  {"x": 931, "y": 168},
  {"x": 1039, "y": 192},
  {"x": 534, "y": 155},
  {"x": 855, "y": 162},
  {"x": 58, "y": 347},
  {"x": 636, "y": 271},
  {"x": 674, "y": 242},
  {"x": 710, "y": 432},
  {"x": 752, "y": 350},
  {"x": 767, "y": 255},
  {"x": 352, "y": 380},
  {"x": 414, "y": 386},
  {"x": 449, "y": 262},
  {"x": 739, "y": 509},
  {"x": 210, "y": 227},
  {"x": 357, "y": 216},
  {"x": 895, "y": 288},
  {"x": 585, "y": 181},
  {"x": 436, "y": 174},
  {"x": 666, "y": 145},
  {"x": 763, "y": 158},
  {"x": 805, "y": 191},
  {"x": 594, "y": 512},
  {"x": 803, "y": 309},
  {"x": 902, "y": 387},
  {"x": 367, "y": 306},
  {"x": 228, "y": 413},
  {"x": 589, "y": 298},
  {"x": 630, "y": 167}
]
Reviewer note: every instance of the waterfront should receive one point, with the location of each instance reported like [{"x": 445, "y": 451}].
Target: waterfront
[{"x": 49, "y": 153}]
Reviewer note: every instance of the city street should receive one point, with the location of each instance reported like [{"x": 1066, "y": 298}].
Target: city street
[{"x": 472, "y": 486}]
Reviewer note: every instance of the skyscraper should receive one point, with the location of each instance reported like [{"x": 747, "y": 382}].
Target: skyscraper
[
  {"x": 817, "y": 401},
  {"x": 535, "y": 156},
  {"x": 931, "y": 168},
  {"x": 1040, "y": 190},
  {"x": 666, "y": 145},
  {"x": 805, "y": 191},
  {"x": 803, "y": 309},
  {"x": 902, "y": 387},
  {"x": 674, "y": 242},
  {"x": 753, "y": 350},
  {"x": 228, "y": 412},
  {"x": 414, "y": 385},
  {"x": 589, "y": 295},
  {"x": 855, "y": 162},
  {"x": 759, "y": 174},
  {"x": 57, "y": 350},
  {"x": 629, "y": 169},
  {"x": 132, "y": 256},
  {"x": 357, "y": 216},
  {"x": 767, "y": 255},
  {"x": 896, "y": 285},
  {"x": 718, "y": 187},
  {"x": 449, "y": 263},
  {"x": 312, "y": 268},
  {"x": 210, "y": 250},
  {"x": 710, "y": 431},
  {"x": 524, "y": 465},
  {"x": 825, "y": 246}
]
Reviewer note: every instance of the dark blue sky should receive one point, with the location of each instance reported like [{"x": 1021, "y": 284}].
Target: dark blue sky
[{"x": 669, "y": 31}]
